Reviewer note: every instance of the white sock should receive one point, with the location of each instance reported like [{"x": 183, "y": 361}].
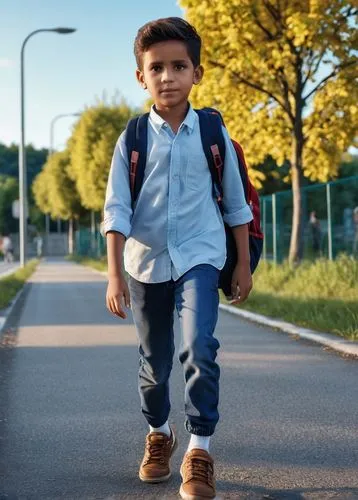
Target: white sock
[
  {"x": 163, "y": 428},
  {"x": 201, "y": 442}
]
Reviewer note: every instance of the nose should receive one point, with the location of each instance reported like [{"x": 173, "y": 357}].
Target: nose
[{"x": 167, "y": 75}]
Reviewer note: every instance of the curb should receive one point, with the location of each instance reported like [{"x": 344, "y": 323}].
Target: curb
[
  {"x": 8, "y": 310},
  {"x": 342, "y": 346},
  {"x": 6, "y": 313}
]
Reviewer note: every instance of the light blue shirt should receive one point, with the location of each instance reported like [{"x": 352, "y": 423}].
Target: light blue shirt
[{"x": 176, "y": 223}]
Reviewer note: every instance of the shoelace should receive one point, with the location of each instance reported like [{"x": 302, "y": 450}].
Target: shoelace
[
  {"x": 155, "y": 451},
  {"x": 200, "y": 469}
]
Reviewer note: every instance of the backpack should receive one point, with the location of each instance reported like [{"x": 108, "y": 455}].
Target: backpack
[{"x": 213, "y": 143}]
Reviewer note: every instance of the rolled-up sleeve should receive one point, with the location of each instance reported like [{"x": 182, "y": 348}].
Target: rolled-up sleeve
[
  {"x": 118, "y": 203},
  {"x": 236, "y": 210}
]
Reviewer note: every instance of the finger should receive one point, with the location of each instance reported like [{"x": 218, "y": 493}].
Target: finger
[
  {"x": 109, "y": 304},
  {"x": 233, "y": 302},
  {"x": 235, "y": 291},
  {"x": 113, "y": 308},
  {"x": 244, "y": 294},
  {"x": 119, "y": 309},
  {"x": 242, "y": 298}
]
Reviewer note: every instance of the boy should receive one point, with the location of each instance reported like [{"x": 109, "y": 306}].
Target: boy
[{"x": 174, "y": 243}]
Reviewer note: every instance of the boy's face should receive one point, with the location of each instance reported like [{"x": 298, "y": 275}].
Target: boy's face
[{"x": 168, "y": 73}]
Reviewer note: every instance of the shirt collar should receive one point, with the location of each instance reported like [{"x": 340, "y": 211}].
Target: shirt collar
[{"x": 158, "y": 122}]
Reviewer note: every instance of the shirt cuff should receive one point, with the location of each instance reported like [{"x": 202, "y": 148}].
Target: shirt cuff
[
  {"x": 242, "y": 216},
  {"x": 115, "y": 225}
]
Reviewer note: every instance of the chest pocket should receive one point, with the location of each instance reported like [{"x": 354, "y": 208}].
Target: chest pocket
[{"x": 197, "y": 173}]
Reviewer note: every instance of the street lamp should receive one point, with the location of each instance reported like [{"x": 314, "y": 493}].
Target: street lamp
[
  {"x": 22, "y": 150},
  {"x": 50, "y": 153}
]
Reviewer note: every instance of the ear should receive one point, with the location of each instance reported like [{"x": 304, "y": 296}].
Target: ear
[
  {"x": 198, "y": 74},
  {"x": 140, "y": 78}
]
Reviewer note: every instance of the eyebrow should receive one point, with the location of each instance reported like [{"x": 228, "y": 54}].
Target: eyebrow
[{"x": 178, "y": 61}]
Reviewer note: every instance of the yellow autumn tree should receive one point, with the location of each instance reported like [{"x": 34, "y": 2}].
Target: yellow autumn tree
[
  {"x": 91, "y": 146},
  {"x": 55, "y": 192},
  {"x": 282, "y": 74}
]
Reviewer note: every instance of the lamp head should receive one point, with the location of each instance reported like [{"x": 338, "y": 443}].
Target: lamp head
[{"x": 64, "y": 31}]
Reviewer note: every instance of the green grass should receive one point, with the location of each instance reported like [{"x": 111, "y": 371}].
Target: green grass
[
  {"x": 322, "y": 295},
  {"x": 11, "y": 284}
]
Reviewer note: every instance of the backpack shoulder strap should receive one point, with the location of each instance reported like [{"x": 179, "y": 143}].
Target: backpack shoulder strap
[
  {"x": 213, "y": 142},
  {"x": 136, "y": 140}
]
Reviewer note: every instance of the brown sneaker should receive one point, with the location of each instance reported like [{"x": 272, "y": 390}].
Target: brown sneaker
[
  {"x": 155, "y": 466},
  {"x": 197, "y": 471}
]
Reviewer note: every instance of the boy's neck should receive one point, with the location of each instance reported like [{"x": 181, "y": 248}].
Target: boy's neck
[{"x": 174, "y": 116}]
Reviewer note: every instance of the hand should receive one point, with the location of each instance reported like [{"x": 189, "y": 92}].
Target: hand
[
  {"x": 117, "y": 295},
  {"x": 241, "y": 283}
]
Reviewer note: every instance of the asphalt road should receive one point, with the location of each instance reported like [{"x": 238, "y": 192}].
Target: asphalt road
[{"x": 70, "y": 425}]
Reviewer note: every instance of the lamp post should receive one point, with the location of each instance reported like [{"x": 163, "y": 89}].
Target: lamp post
[
  {"x": 50, "y": 153},
  {"x": 22, "y": 150}
]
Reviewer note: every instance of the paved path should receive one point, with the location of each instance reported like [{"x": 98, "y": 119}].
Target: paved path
[{"x": 70, "y": 426}]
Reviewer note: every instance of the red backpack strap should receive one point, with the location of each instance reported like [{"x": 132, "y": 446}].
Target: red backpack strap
[
  {"x": 136, "y": 144},
  {"x": 133, "y": 170},
  {"x": 213, "y": 142}
]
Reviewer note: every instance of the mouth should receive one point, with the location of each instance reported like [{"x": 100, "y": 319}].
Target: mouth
[{"x": 168, "y": 91}]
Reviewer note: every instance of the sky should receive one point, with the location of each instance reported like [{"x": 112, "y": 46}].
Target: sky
[{"x": 65, "y": 73}]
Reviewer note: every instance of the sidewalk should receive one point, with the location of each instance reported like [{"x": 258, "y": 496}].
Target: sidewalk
[
  {"x": 338, "y": 344},
  {"x": 70, "y": 424},
  {"x": 335, "y": 343}
]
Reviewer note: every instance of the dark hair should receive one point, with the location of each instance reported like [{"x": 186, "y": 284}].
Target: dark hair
[{"x": 169, "y": 28}]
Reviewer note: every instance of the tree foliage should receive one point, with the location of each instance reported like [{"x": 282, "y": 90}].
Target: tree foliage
[
  {"x": 54, "y": 191},
  {"x": 262, "y": 56},
  {"x": 9, "y": 192},
  {"x": 9, "y": 161},
  {"x": 282, "y": 73},
  {"x": 91, "y": 149}
]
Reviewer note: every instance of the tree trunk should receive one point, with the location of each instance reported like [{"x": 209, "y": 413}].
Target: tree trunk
[
  {"x": 70, "y": 237},
  {"x": 296, "y": 246}
]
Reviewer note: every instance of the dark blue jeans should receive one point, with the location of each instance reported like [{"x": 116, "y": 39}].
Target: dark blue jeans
[{"x": 195, "y": 297}]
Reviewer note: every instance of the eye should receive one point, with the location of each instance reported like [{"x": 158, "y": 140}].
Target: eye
[
  {"x": 180, "y": 67},
  {"x": 156, "y": 68}
]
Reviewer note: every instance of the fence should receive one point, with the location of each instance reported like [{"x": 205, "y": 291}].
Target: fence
[
  {"x": 333, "y": 204},
  {"x": 90, "y": 243}
]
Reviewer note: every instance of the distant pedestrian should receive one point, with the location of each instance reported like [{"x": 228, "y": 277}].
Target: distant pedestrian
[
  {"x": 39, "y": 244},
  {"x": 315, "y": 232},
  {"x": 7, "y": 249},
  {"x": 174, "y": 241}
]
